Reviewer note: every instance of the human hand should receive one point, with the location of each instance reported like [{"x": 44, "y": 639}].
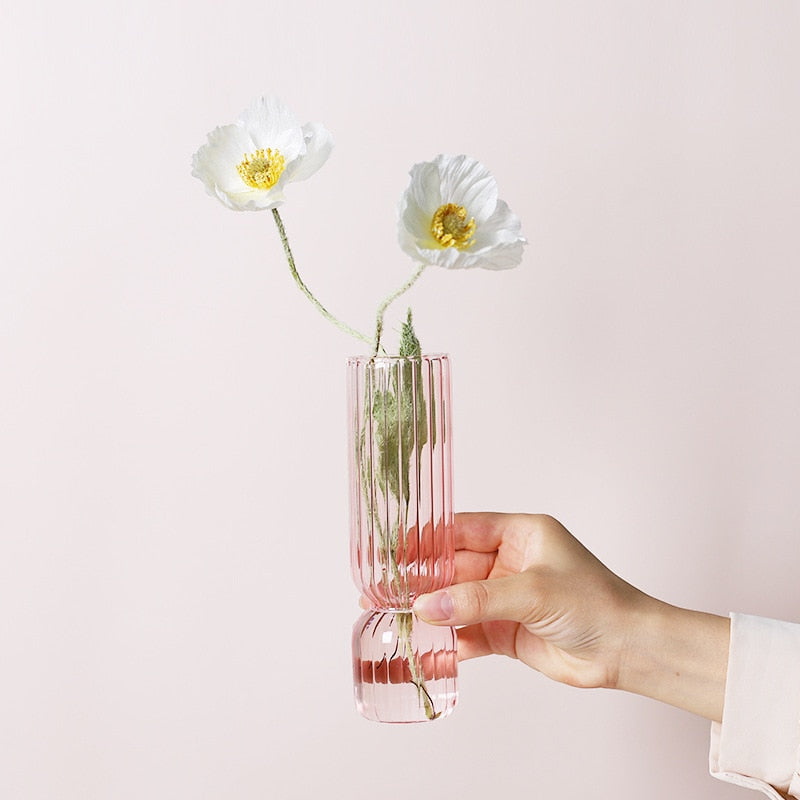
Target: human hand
[{"x": 526, "y": 588}]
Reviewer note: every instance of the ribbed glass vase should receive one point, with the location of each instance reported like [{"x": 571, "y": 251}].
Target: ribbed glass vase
[
  {"x": 404, "y": 670},
  {"x": 401, "y": 484},
  {"x": 401, "y": 533}
]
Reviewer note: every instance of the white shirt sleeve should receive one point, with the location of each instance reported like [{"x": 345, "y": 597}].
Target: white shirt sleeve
[{"x": 758, "y": 743}]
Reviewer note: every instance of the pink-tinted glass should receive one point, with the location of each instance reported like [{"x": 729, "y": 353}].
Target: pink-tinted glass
[
  {"x": 404, "y": 670},
  {"x": 400, "y": 461}
]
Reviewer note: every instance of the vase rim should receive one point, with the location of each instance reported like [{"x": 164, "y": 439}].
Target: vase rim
[{"x": 362, "y": 359}]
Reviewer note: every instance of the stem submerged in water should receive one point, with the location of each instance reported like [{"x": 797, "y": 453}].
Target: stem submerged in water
[
  {"x": 393, "y": 431},
  {"x": 405, "y": 626}
]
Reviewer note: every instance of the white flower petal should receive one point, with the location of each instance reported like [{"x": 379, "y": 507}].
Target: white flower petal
[
  {"x": 503, "y": 227},
  {"x": 252, "y": 199},
  {"x": 270, "y": 123},
  {"x": 499, "y": 256},
  {"x": 266, "y": 124},
  {"x": 465, "y": 182},
  {"x": 447, "y": 257},
  {"x": 426, "y": 186},
  {"x": 505, "y": 256},
  {"x": 416, "y": 223},
  {"x": 215, "y": 163},
  {"x": 318, "y": 147},
  {"x": 412, "y": 246}
]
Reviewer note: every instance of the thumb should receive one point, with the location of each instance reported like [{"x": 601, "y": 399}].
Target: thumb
[{"x": 509, "y": 598}]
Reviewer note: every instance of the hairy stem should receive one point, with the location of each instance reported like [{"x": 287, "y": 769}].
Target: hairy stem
[
  {"x": 405, "y": 625},
  {"x": 388, "y": 301},
  {"x": 306, "y": 291}
]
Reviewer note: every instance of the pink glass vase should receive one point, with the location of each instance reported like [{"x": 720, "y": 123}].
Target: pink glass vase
[
  {"x": 404, "y": 670},
  {"x": 401, "y": 485},
  {"x": 401, "y": 525}
]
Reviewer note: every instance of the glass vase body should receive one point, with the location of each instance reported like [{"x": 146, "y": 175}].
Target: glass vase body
[
  {"x": 400, "y": 477},
  {"x": 404, "y": 670}
]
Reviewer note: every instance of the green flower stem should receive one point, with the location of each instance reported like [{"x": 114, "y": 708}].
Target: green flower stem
[
  {"x": 393, "y": 429},
  {"x": 388, "y": 301},
  {"x": 405, "y": 624},
  {"x": 306, "y": 291}
]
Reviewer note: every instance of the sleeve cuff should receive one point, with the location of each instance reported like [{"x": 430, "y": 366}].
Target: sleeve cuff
[{"x": 758, "y": 741}]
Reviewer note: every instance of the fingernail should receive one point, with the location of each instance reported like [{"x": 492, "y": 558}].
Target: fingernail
[{"x": 436, "y": 607}]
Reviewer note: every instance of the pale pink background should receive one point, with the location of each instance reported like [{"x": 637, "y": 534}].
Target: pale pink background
[{"x": 175, "y": 599}]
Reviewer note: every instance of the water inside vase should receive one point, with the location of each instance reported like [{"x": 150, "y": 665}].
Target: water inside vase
[{"x": 403, "y": 670}]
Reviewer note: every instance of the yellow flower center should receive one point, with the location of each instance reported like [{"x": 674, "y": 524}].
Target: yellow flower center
[
  {"x": 450, "y": 227},
  {"x": 261, "y": 170}
]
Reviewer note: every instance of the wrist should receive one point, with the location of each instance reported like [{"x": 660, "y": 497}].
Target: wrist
[{"x": 677, "y": 656}]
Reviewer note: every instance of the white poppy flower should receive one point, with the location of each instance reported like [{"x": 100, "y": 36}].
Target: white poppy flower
[
  {"x": 450, "y": 216},
  {"x": 247, "y": 165}
]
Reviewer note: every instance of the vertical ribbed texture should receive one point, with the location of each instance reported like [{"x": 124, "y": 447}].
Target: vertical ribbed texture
[
  {"x": 401, "y": 533},
  {"x": 401, "y": 485},
  {"x": 385, "y": 690}
]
